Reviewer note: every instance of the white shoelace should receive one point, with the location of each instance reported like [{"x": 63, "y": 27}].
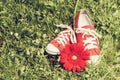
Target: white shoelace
[
  {"x": 63, "y": 36},
  {"x": 90, "y": 42}
]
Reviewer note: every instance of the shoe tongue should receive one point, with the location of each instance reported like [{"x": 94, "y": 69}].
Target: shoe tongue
[{"x": 84, "y": 20}]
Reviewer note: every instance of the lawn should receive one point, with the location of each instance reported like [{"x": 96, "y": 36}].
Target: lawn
[{"x": 27, "y": 26}]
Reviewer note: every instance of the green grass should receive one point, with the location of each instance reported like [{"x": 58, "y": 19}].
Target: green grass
[{"x": 26, "y": 26}]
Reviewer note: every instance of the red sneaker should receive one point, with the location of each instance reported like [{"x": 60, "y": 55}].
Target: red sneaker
[
  {"x": 64, "y": 38},
  {"x": 86, "y": 35}
]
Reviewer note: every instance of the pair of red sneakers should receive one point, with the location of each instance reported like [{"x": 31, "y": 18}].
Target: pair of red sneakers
[{"x": 83, "y": 33}]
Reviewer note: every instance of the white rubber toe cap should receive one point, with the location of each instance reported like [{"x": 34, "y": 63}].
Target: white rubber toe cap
[{"x": 51, "y": 49}]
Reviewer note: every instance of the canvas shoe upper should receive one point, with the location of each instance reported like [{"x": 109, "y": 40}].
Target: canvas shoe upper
[
  {"x": 64, "y": 38},
  {"x": 87, "y": 36}
]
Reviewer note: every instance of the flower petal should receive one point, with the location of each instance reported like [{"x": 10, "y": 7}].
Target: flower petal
[
  {"x": 67, "y": 66},
  {"x": 73, "y": 68},
  {"x": 78, "y": 69},
  {"x": 85, "y": 57}
]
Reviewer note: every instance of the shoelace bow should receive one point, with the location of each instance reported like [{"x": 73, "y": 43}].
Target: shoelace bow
[
  {"x": 91, "y": 40},
  {"x": 63, "y": 37}
]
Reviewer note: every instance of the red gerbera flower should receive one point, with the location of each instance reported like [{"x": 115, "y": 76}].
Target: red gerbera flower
[{"x": 73, "y": 57}]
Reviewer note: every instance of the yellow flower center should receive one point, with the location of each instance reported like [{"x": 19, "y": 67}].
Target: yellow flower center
[{"x": 74, "y": 57}]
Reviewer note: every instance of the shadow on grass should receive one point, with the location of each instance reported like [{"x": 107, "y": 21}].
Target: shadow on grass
[{"x": 53, "y": 60}]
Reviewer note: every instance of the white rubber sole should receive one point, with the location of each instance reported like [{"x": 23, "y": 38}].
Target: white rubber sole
[{"x": 94, "y": 60}]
